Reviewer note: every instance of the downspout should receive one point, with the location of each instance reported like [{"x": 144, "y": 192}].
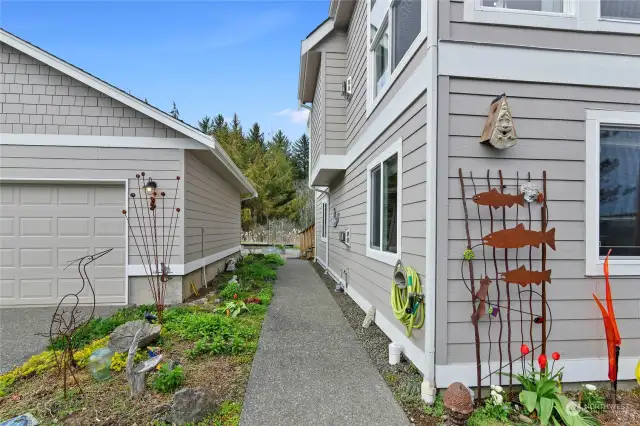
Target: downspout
[{"x": 428, "y": 388}]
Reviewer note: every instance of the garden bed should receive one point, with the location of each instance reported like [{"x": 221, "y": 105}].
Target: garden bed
[
  {"x": 213, "y": 347},
  {"x": 404, "y": 380}
]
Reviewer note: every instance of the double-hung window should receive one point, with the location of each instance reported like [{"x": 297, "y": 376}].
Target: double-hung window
[
  {"x": 557, "y": 6},
  {"x": 613, "y": 191},
  {"x": 396, "y": 30},
  {"x": 384, "y": 205}
]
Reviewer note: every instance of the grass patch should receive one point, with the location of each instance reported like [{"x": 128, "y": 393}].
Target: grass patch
[{"x": 215, "y": 352}]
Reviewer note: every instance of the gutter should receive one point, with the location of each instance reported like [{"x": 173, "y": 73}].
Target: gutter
[{"x": 428, "y": 388}]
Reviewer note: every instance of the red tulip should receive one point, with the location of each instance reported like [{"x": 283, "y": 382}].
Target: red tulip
[
  {"x": 524, "y": 349},
  {"x": 542, "y": 361},
  {"x": 555, "y": 356},
  {"x": 235, "y": 296}
]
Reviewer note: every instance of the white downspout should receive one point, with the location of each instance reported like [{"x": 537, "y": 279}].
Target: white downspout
[{"x": 428, "y": 388}]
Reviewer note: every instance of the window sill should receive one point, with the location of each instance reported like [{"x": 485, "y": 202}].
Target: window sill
[
  {"x": 411, "y": 52},
  {"x": 617, "y": 268},
  {"x": 382, "y": 256}
]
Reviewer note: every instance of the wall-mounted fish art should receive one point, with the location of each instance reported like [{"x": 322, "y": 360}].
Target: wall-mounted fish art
[
  {"x": 499, "y": 130},
  {"x": 524, "y": 277},
  {"x": 519, "y": 237},
  {"x": 496, "y": 199}
]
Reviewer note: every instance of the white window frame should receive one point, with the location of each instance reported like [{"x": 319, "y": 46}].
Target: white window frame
[
  {"x": 373, "y": 99},
  {"x": 593, "y": 261},
  {"x": 378, "y": 254},
  {"x": 578, "y": 15},
  {"x": 324, "y": 228}
]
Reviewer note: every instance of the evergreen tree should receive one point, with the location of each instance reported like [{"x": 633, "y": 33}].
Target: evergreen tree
[
  {"x": 300, "y": 157},
  {"x": 219, "y": 123},
  {"x": 236, "y": 127},
  {"x": 205, "y": 124},
  {"x": 255, "y": 137},
  {"x": 174, "y": 112},
  {"x": 281, "y": 141}
]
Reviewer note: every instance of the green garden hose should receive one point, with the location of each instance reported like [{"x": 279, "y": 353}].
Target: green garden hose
[{"x": 407, "y": 301}]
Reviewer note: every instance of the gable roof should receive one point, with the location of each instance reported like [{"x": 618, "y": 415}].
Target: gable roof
[{"x": 130, "y": 101}]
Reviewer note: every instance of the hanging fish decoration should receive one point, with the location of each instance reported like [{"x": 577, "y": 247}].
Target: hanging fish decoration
[
  {"x": 496, "y": 199},
  {"x": 519, "y": 237},
  {"x": 524, "y": 277}
]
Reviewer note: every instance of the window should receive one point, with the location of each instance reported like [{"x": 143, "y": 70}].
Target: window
[
  {"x": 619, "y": 16},
  {"x": 534, "y": 5},
  {"x": 619, "y": 191},
  {"x": 384, "y": 183},
  {"x": 323, "y": 228},
  {"x": 613, "y": 191},
  {"x": 620, "y": 9},
  {"x": 396, "y": 29}
]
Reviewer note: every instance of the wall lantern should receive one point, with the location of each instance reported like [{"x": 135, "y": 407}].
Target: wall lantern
[{"x": 150, "y": 186}]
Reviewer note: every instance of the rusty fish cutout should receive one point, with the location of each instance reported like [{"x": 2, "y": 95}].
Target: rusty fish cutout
[
  {"x": 525, "y": 277},
  {"x": 519, "y": 237},
  {"x": 481, "y": 295},
  {"x": 496, "y": 199}
]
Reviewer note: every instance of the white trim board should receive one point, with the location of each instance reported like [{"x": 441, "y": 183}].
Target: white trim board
[
  {"x": 594, "y": 263},
  {"x": 462, "y": 59},
  {"x": 575, "y": 371},
  {"x": 123, "y": 97},
  {"x": 99, "y": 141},
  {"x": 183, "y": 269},
  {"x": 415, "y": 85},
  {"x": 409, "y": 348}
]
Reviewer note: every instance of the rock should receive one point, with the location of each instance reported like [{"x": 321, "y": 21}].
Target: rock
[
  {"x": 368, "y": 319},
  {"x": 122, "y": 337},
  {"x": 25, "y": 419},
  {"x": 524, "y": 419},
  {"x": 458, "y": 404},
  {"x": 190, "y": 405}
]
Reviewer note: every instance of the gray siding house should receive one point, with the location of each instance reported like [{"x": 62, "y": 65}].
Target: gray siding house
[
  {"x": 70, "y": 148},
  {"x": 419, "y": 77}
]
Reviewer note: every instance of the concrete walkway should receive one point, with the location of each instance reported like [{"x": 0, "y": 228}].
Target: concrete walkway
[{"x": 310, "y": 368}]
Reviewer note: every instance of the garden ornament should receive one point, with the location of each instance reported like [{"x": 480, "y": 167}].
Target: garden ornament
[
  {"x": 458, "y": 404},
  {"x": 499, "y": 130},
  {"x": 611, "y": 330},
  {"x": 136, "y": 375},
  {"x": 530, "y": 191}
]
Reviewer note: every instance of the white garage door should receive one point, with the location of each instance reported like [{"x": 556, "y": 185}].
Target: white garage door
[{"x": 44, "y": 226}]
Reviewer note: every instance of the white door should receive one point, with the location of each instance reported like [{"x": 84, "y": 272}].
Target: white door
[{"x": 45, "y": 226}]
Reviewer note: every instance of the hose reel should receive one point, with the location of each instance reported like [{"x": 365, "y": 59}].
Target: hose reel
[{"x": 407, "y": 299}]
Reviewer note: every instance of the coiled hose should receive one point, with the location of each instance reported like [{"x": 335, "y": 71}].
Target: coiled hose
[{"x": 407, "y": 301}]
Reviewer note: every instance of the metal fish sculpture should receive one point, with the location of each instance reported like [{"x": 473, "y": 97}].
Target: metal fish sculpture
[
  {"x": 525, "y": 277},
  {"x": 519, "y": 237},
  {"x": 495, "y": 199}
]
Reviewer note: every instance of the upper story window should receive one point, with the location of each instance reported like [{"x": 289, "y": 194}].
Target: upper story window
[
  {"x": 384, "y": 205},
  {"x": 613, "y": 191},
  {"x": 396, "y": 30},
  {"x": 621, "y": 16}
]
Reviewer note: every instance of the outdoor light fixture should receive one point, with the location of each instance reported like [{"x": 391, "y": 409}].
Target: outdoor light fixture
[{"x": 150, "y": 186}]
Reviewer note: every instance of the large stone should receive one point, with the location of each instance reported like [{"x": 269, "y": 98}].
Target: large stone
[
  {"x": 190, "y": 405},
  {"x": 122, "y": 337}
]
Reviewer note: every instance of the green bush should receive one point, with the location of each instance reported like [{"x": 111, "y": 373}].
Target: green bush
[
  {"x": 167, "y": 380},
  {"x": 592, "y": 400},
  {"x": 229, "y": 290},
  {"x": 274, "y": 259}
]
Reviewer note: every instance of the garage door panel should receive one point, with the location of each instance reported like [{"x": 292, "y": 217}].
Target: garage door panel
[{"x": 45, "y": 227}]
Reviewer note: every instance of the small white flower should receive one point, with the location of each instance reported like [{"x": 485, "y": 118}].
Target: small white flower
[
  {"x": 498, "y": 389},
  {"x": 590, "y": 388},
  {"x": 497, "y": 399},
  {"x": 494, "y": 393},
  {"x": 493, "y": 386}
]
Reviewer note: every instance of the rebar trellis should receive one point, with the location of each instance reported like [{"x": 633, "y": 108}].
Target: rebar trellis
[
  {"x": 505, "y": 239},
  {"x": 154, "y": 248}
]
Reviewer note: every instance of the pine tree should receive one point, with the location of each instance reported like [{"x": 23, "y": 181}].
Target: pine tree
[
  {"x": 300, "y": 157},
  {"x": 255, "y": 136},
  {"x": 174, "y": 112},
  {"x": 219, "y": 123},
  {"x": 236, "y": 127},
  {"x": 281, "y": 141},
  {"x": 205, "y": 124}
]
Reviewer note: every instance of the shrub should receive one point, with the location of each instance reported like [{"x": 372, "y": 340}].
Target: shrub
[
  {"x": 274, "y": 259},
  {"x": 495, "y": 409},
  {"x": 119, "y": 359},
  {"x": 229, "y": 290},
  {"x": 168, "y": 380}
]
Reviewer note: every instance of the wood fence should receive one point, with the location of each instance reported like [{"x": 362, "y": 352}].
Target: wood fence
[{"x": 308, "y": 242}]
